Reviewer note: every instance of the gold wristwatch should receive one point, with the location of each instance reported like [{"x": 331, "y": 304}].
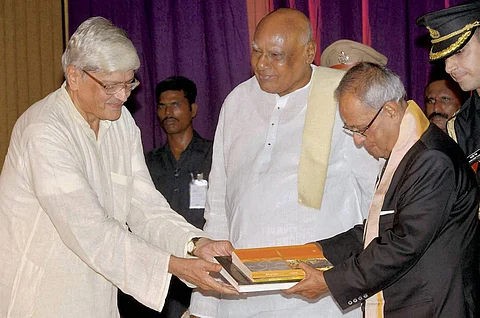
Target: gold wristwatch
[{"x": 192, "y": 246}]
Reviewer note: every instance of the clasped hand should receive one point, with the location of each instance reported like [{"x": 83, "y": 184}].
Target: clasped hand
[{"x": 197, "y": 270}]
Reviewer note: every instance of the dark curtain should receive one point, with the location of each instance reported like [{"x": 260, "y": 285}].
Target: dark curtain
[
  {"x": 392, "y": 27},
  {"x": 206, "y": 41}
]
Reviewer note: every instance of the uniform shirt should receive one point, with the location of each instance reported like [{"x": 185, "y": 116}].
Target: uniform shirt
[
  {"x": 466, "y": 123},
  {"x": 253, "y": 197},
  {"x": 66, "y": 197},
  {"x": 467, "y": 127},
  {"x": 172, "y": 178}
]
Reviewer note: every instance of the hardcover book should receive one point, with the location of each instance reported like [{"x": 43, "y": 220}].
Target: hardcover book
[
  {"x": 244, "y": 285},
  {"x": 278, "y": 263}
]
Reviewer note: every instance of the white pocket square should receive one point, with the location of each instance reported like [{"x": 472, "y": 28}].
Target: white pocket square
[{"x": 386, "y": 212}]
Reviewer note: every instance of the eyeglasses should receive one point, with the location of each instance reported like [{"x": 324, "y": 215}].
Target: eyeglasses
[
  {"x": 361, "y": 132},
  {"x": 115, "y": 88}
]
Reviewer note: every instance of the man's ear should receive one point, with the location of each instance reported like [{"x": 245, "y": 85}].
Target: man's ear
[
  {"x": 392, "y": 108},
  {"x": 311, "y": 49},
  {"x": 194, "y": 110},
  {"x": 73, "y": 76}
]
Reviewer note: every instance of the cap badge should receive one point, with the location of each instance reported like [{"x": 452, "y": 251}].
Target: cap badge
[{"x": 343, "y": 58}]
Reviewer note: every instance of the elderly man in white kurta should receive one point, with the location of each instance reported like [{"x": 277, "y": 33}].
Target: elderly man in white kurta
[
  {"x": 73, "y": 181},
  {"x": 253, "y": 199}
]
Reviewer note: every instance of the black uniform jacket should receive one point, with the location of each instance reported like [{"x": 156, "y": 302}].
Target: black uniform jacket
[
  {"x": 467, "y": 126},
  {"x": 426, "y": 256}
]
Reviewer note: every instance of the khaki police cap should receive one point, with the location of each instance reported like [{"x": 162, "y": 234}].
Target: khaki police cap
[{"x": 347, "y": 53}]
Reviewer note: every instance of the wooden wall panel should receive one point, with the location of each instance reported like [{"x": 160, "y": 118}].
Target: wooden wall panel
[{"x": 31, "y": 46}]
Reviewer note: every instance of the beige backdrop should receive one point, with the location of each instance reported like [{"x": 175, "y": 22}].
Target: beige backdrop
[{"x": 31, "y": 46}]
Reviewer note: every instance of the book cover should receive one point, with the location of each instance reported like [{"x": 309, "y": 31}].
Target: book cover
[
  {"x": 237, "y": 279},
  {"x": 278, "y": 262}
]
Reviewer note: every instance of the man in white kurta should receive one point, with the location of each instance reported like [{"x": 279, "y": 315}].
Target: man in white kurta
[
  {"x": 253, "y": 201},
  {"x": 253, "y": 198},
  {"x": 59, "y": 180},
  {"x": 71, "y": 183}
]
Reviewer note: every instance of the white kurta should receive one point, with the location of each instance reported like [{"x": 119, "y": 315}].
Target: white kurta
[
  {"x": 65, "y": 199},
  {"x": 253, "y": 200}
]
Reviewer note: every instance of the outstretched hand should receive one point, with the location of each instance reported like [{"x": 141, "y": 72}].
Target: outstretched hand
[
  {"x": 312, "y": 286},
  {"x": 196, "y": 271},
  {"x": 207, "y": 249}
]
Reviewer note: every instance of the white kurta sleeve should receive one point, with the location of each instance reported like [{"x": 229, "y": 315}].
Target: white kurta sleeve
[
  {"x": 60, "y": 180},
  {"x": 151, "y": 216},
  {"x": 204, "y": 304}
]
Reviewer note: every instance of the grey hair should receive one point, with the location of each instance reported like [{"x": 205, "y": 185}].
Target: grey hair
[
  {"x": 98, "y": 45},
  {"x": 306, "y": 36},
  {"x": 372, "y": 84}
]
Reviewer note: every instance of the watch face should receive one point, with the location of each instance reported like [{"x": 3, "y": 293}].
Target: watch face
[{"x": 190, "y": 246}]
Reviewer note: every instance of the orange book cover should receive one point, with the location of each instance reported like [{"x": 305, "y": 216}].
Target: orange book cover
[{"x": 278, "y": 262}]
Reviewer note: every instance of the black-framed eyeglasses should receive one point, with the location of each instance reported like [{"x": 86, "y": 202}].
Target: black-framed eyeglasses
[
  {"x": 361, "y": 132},
  {"x": 115, "y": 88}
]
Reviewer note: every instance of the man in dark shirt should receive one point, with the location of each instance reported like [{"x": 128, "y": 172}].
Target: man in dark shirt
[
  {"x": 186, "y": 154},
  {"x": 173, "y": 166}
]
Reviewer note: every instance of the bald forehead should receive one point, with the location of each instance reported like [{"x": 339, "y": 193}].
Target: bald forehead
[{"x": 286, "y": 22}]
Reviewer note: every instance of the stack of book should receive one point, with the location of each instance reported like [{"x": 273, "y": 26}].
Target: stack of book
[{"x": 270, "y": 268}]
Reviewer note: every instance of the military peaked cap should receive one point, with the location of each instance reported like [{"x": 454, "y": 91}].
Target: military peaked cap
[{"x": 451, "y": 28}]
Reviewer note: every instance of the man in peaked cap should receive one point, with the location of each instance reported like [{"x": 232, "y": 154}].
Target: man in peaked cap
[
  {"x": 343, "y": 54},
  {"x": 455, "y": 38}
]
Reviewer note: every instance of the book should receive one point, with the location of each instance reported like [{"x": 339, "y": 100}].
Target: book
[
  {"x": 278, "y": 263},
  {"x": 240, "y": 282}
]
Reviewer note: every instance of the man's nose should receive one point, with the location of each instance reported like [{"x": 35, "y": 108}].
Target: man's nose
[
  {"x": 358, "y": 139},
  {"x": 122, "y": 94},
  {"x": 450, "y": 64},
  {"x": 262, "y": 61},
  {"x": 437, "y": 106},
  {"x": 168, "y": 110}
]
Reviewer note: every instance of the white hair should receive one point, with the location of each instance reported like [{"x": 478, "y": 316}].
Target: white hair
[
  {"x": 98, "y": 45},
  {"x": 373, "y": 85}
]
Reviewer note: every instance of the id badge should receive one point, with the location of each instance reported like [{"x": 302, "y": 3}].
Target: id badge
[{"x": 198, "y": 192}]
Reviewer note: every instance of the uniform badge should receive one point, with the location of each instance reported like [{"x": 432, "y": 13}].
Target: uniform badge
[{"x": 343, "y": 58}]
